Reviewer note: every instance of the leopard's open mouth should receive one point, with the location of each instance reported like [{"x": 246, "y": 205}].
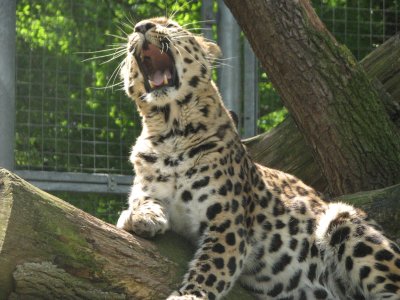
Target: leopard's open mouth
[{"x": 157, "y": 67}]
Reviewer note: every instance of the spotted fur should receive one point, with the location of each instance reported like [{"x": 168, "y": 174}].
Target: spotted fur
[{"x": 260, "y": 226}]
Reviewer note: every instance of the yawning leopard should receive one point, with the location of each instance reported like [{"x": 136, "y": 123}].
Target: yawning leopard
[{"x": 251, "y": 224}]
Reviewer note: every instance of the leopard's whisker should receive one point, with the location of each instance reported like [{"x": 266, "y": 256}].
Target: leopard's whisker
[
  {"x": 118, "y": 70},
  {"x": 113, "y": 55},
  {"x": 123, "y": 31},
  {"x": 180, "y": 8},
  {"x": 114, "y": 76},
  {"x": 116, "y": 36}
]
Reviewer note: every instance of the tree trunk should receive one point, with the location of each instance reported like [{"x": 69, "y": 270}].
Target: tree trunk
[
  {"x": 326, "y": 92},
  {"x": 284, "y": 147},
  {"x": 52, "y": 250}
]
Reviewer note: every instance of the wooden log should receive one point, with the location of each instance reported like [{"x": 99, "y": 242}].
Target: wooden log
[
  {"x": 284, "y": 148},
  {"x": 382, "y": 205},
  {"x": 52, "y": 250},
  {"x": 383, "y": 64}
]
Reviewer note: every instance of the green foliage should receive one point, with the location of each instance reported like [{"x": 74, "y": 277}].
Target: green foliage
[
  {"x": 71, "y": 112},
  {"x": 42, "y": 25},
  {"x": 332, "y": 3},
  {"x": 272, "y": 111},
  {"x": 106, "y": 207},
  {"x": 272, "y": 119}
]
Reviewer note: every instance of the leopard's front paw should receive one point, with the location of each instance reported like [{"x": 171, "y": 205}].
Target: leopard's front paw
[
  {"x": 177, "y": 296},
  {"x": 145, "y": 225}
]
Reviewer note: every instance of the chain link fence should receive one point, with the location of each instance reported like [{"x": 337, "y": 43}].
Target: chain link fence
[
  {"x": 360, "y": 25},
  {"x": 66, "y": 120}
]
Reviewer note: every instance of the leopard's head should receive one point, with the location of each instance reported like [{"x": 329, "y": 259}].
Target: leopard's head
[{"x": 164, "y": 61}]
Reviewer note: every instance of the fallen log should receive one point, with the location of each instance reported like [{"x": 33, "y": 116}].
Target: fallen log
[
  {"x": 52, "y": 250},
  {"x": 382, "y": 205}
]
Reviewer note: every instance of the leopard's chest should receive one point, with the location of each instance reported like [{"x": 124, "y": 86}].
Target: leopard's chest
[
  {"x": 188, "y": 209},
  {"x": 170, "y": 178}
]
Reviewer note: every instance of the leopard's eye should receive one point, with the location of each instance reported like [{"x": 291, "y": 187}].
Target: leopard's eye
[{"x": 170, "y": 25}]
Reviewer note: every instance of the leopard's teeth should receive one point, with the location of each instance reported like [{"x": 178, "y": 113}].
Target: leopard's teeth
[
  {"x": 165, "y": 79},
  {"x": 152, "y": 85}
]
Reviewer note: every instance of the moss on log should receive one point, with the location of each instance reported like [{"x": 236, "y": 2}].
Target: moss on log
[{"x": 52, "y": 250}]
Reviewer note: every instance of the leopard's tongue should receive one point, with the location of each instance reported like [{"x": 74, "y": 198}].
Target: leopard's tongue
[
  {"x": 159, "y": 78},
  {"x": 159, "y": 65}
]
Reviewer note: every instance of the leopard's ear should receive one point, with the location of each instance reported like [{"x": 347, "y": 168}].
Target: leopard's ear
[{"x": 212, "y": 49}]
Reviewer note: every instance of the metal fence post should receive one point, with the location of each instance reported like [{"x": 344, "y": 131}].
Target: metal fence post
[
  {"x": 207, "y": 16},
  {"x": 229, "y": 76},
  {"x": 250, "y": 91},
  {"x": 7, "y": 82}
]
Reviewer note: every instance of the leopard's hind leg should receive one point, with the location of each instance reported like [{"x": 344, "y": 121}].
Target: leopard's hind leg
[{"x": 364, "y": 263}]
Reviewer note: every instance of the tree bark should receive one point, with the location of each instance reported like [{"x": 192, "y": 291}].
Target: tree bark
[
  {"x": 383, "y": 64},
  {"x": 285, "y": 148},
  {"x": 382, "y": 205},
  {"x": 52, "y": 250},
  {"x": 326, "y": 92}
]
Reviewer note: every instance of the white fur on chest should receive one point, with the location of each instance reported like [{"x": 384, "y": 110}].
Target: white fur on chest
[{"x": 184, "y": 216}]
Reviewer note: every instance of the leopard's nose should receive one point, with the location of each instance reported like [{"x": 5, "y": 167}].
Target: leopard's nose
[{"x": 144, "y": 26}]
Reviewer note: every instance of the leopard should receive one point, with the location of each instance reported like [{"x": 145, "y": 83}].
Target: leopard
[{"x": 252, "y": 225}]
